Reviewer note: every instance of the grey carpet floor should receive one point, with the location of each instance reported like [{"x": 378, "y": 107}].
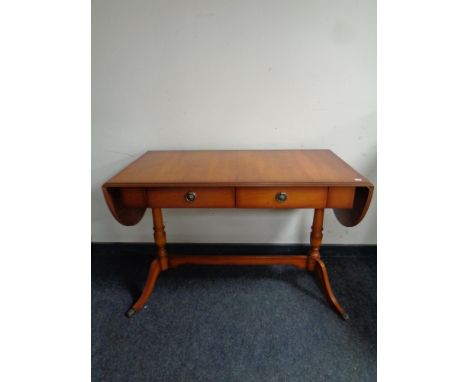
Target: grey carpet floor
[{"x": 219, "y": 323}]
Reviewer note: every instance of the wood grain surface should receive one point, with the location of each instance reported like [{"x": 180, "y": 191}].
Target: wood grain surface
[
  {"x": 239, "y": 178},
  {"x": 238, "y": 168}
]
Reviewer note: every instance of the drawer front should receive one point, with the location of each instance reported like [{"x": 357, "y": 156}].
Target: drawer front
[
  {"x": 286, "y": 197},
  {"x": 223, "y": 197}
]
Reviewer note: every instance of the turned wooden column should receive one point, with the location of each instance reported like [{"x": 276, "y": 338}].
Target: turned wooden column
[
  {"x": 316, "y": 264},
  {"x": 160, "y": 237},
  {"x": 315, "y": 238},
  {"x": 157, "y": 265}
]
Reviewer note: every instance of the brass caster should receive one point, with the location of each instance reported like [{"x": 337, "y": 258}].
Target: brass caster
[{"x": 130, "y": 312}]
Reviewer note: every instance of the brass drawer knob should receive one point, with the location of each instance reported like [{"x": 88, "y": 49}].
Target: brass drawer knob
[
  {"x": 281, "y": 197},
  {"x": 190, "y": 196}
]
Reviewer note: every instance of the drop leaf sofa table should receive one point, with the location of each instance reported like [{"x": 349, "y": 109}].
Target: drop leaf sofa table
[{"x": 315, "y": 179}]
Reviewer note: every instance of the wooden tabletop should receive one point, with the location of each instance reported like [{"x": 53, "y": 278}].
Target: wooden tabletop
[{"x": 238, "y": 168}]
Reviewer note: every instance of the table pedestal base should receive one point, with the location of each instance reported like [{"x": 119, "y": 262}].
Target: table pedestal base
[{"x": 311, "y": 262}]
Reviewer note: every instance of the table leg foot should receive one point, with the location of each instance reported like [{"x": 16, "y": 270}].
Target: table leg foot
[
  {"x": 316, "y": 264},
  {"x": 130, "y": 312},
  {"x": 153, "y": 274},
  {"x": 321, "y": 273}
]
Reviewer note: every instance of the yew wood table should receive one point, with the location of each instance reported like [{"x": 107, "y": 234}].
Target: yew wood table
[{"x": 315, "y": 179}]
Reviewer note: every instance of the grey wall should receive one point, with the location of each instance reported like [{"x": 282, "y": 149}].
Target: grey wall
[{"x": 220, "y": 74}]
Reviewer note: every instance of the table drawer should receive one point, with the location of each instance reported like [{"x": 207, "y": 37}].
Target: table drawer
[
  {"x": 223, "y": 197},
  {"x": 285, "y": 197}
]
